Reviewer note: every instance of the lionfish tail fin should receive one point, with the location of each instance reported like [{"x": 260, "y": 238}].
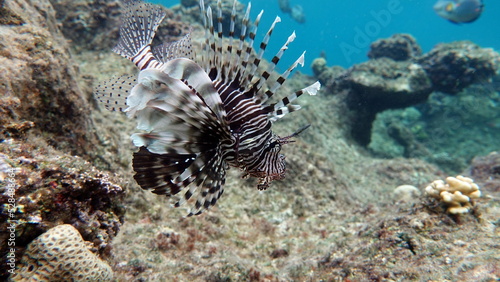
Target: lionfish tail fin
[
  {"x": 113, "y": 93},
  {"x": 139, "y": 24}
]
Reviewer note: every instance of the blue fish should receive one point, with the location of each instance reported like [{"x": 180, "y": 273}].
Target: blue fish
[{"x": 459, "y": 11}]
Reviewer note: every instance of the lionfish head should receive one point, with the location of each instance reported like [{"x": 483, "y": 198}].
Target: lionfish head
[{"x": 274, "y": 167}]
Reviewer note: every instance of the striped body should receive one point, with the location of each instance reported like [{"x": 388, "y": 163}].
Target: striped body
[{"x": 199, "y": 116}]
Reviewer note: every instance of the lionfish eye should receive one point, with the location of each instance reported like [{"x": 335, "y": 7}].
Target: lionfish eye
[{"x": 275, "y": 145}]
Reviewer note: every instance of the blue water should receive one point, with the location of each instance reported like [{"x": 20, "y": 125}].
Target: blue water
[{"x": 343, "y": 30}]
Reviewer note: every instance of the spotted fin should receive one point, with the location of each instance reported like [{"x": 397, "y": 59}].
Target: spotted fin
[{"x": 113, "y": 93}]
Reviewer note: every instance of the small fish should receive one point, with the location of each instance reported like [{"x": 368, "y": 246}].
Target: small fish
[
  {"x": 200, "y": 115},
  {"x": 459, "y": 11}
]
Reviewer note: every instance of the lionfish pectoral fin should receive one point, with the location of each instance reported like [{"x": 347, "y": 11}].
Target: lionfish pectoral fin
[
  {"x": 211, "y": 180},
  {"x": 198, "y": 178},
  {"x": 191, "y": 74},
  {"x": 182, "y": 115},
  {"x": 113, "y": 92},
  {"x": 156, "y": 172}
]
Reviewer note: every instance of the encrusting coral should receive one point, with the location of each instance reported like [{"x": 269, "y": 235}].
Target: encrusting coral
[
  {"x": 456, "y": 193},
  {"x": 60, "y": 254}
]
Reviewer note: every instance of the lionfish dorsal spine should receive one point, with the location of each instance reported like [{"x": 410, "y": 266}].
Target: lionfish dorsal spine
[
  {"x": 284, "y": 106},
  {"x": 272, "y": 65},
  {"x": 242, "y": 37},
  {"x": 229, "y": 53},
  {"x": 262, "y": 48}
]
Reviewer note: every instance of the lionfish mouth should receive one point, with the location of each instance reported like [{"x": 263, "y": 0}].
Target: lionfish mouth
[{"x": 189, "y": 108}]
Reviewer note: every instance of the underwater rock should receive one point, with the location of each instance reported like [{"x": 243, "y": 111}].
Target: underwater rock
[
  {"x": 95, "y": 25},
  {"x": 329, "y": 77},
  {"x": 39, "y": 80},
  {"x": 399, "y": 133},
  {"x": 406, "y": 193},
  {"x": 399, "y": 47},
  {"x": 381, "y": 84},
  {"x": 51, "y": 188},
  {"x": 454, "y": 66},
  {"x": 60, "y": 254},
  {"x": 7, "y": 17},
  {"x": 486, "y": 171},
  {"x": 189, "y": 3},
  {"x": 89, "y": 25}
]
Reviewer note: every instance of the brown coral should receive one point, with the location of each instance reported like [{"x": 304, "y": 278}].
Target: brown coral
[{"x": 60, "y": 254}]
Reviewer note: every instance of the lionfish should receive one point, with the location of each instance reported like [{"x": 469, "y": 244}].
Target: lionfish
[{"x": 200, "y": 115}]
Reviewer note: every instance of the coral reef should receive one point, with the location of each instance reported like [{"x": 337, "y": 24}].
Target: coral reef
[
  {"x": 399, "y": 133},
  {"x": 399, "y": 47},
  {"x": 330, "y": 219},
  {"x": 60, "y": 254},
  {"x": 89, "y": 25},
  {"x": 396, "y": 77},
  {"x": 453, "y": 66},
  {"x": 94, "y": 26},
  {"x": 47, "y": 137},
  {"x": 38, "y": 85},
  {"x": 486, "y": 171},
  {"x": 52, "y": 189},
  {"x": 456, "y": 193},
  {"x": 424, "y": 131}
]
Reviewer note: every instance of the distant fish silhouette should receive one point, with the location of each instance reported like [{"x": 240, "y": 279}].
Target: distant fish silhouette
[
  {"x": 459, "y": 11},
  {"x": 296, "y": 12}
]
